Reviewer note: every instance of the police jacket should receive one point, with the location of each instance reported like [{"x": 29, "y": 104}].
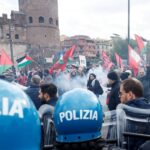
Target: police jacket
[{"x": 139, "y": 103}]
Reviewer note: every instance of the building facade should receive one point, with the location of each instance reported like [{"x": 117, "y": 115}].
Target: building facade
[
  {"x": 35, "y": 25},
  {"x": 84, "y": 46},
  {"x": 90, "y": 48}
]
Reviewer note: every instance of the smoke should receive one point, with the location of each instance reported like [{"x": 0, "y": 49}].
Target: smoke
[{"x": 65, "y": 83}]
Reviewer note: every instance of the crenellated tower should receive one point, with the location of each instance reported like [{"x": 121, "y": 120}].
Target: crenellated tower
[{"x": 42, "y": 22}]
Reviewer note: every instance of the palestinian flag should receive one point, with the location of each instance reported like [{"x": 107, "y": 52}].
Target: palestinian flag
[
  {"x": 5, "y": 62},
  {"x": 23, "y": 61}
]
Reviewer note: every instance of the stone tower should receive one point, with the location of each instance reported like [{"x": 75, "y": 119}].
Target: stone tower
[{"x": 42, "y": 22}]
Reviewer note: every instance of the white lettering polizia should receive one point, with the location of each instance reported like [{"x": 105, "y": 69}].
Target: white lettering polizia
[
  {"x": 15, "y": 109},
  {"x": 80, "y": 115}
]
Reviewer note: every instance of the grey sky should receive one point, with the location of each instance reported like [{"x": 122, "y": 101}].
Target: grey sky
[{"x": 97, "y": 18}]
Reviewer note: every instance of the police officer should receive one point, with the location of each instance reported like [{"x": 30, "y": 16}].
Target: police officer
[
  {"x": 20, "y": 127},
  {"x": 78, "y": 119}
]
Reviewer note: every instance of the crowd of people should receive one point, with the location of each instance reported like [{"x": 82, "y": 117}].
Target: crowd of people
[{"x": 78, "y": 113}]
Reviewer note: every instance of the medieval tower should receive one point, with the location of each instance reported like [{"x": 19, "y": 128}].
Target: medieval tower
[
  {"x": 35, "y": 27},
  {"x": 42, "y": 22}
]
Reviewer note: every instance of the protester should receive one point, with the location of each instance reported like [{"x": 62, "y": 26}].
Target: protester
[
  {"x": 145, "y": 80},
  {"x": 48, "y": 94},
  {"x": 33, "y": 90},
  {"x": 94, "y": 85},
  {"x": 124, "y": 75},
  {"x": 47, "y": 77},
  {"x": 142, "y": 72},
  {"x": 22, "y": 79},
  {"x": 114, "y": 83}
]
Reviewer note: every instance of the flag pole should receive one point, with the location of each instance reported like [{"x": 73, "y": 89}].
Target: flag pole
[
  {"x": 128, "y": 22},
  {"x": 128, "y": 28}
]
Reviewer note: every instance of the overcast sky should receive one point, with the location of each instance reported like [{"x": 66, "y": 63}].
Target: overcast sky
[{"x": 97, "y": 18}]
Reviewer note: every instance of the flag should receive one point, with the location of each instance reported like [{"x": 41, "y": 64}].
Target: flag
[
  {"x": 134, "y": 60},
  {"x": 23, "y": 61},
  {"x": 60, "y": 61},
  {"x": 5, "y": 62},
  {"x": 140, "y": 43},
  {"x": 57, "y": 66},
  {"x": 118, "y": 60},
  {"x": 69, "y": 54},
  {"x": 106, "y": 62},
  {"x": 64, "y": 59}
]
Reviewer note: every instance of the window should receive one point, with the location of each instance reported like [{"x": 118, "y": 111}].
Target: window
[
  {"x": 7, "y": 36},
  {"x": 16, "y": 36},
  {"x": 51, "y": 20},
  {"x": 41, "y": 19},
  {"x": 30, "y": 19},
  {"x": 56, "y": 22}
]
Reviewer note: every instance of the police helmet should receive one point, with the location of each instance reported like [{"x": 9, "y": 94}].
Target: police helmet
[
  {"x": 78, "y": 116},
  {"x": 19, "y": 121}
]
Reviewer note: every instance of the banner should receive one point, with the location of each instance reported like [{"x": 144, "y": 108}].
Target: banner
[{"x": 82, "y": 60}]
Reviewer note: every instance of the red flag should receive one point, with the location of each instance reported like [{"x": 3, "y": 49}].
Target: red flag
[
  {"x": 134, "y": 60},
  {"x": 107, "y": 63},
  {"x": 69, "y": 53},
  {"x": 118, "y": 60},
  {"x": 140, "y": 43},
  {"x": 57, "y": 65},
  {"x": 5, "y": 60}
]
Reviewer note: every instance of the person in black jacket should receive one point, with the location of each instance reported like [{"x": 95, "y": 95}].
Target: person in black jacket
[
  {"x": 33, "y": 90},
  {"x": 94, "y": 85},
  {"x": 145, "y": 80},
  {"x": 114, "y": 83}
]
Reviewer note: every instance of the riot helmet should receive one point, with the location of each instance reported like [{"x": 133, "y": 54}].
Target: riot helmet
[
  {"x": 20, "y": 127},
  {"x": 78, "y": 116}
]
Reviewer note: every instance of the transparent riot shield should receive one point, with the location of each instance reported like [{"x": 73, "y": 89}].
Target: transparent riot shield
[
  {"x": 47, "y": 124},
  {"x": 133, "y": 126},
  {"x": 109, "y": 127}
]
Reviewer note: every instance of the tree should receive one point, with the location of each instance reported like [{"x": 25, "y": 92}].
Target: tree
[{"x": 120, "y": 46}]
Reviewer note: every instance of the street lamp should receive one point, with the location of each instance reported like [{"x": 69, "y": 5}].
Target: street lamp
[
  {"x": 10, "y": 41},
  {"x": 11, "y": 48}
]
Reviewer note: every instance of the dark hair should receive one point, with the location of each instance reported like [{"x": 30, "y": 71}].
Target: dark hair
[
  {"x": 46, "y": 71},
  {"x": 124, "y": 75},
  {"x": 92, "y": 74},
  {"x": 113, "y": 75},
  {"x": 133, "y": 85},
  {"x": 96, "y": 144},
  {"x": 50, "y": 89}
]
